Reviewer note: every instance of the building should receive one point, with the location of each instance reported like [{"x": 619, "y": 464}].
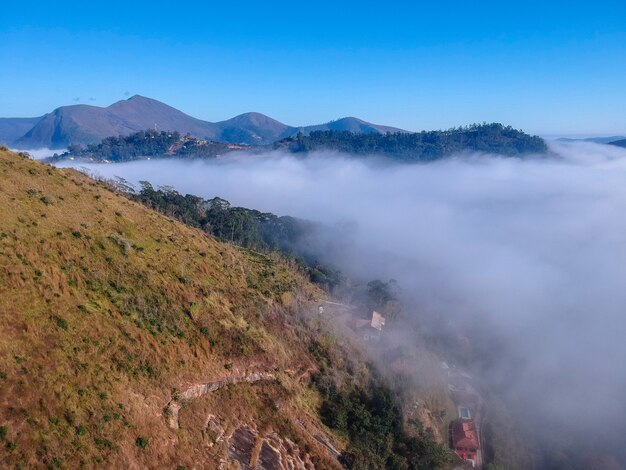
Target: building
[
  {"x": 465, "y": 439},
  {"x": 370, "y": 330}
]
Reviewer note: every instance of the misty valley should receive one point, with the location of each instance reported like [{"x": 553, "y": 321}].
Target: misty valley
[
  {"x": 331, "y": 236},
  {"x": 460, "y": 308}
]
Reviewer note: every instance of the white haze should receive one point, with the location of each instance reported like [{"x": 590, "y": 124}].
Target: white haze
[
  {"x": 40, "y": 153},
  {"x": 534, "y": 249}
]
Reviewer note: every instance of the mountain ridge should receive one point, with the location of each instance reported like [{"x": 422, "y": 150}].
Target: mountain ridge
[{"x": 87, "y": 124}]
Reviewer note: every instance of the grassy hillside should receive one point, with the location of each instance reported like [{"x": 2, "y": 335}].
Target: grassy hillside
[
  {"x": 109, "y": 310},
  {"x": 129, "y": 340}
]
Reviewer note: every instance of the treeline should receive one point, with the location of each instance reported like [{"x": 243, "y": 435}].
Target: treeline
[
  {"x": 249, "y": 228},
  {"x": 368, "y": 415},
  {"x": 422, "y": 146},
  {"x": 409, "y": 147},
  {"x": 148, "y": 143}
]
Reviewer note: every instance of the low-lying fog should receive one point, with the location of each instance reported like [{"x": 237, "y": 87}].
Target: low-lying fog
[{"x": 534, "y": 249}]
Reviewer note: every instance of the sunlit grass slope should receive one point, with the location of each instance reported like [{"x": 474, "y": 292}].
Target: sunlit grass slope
[{"x": 108, "y": 308}]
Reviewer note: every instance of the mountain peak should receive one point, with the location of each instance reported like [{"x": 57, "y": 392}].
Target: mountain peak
[
  {"x": 88, "y": 124},
  {"x": 139, "y": 98}
]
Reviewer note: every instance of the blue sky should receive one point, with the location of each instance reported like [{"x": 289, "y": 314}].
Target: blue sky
[{"x": 545, "y": 67}]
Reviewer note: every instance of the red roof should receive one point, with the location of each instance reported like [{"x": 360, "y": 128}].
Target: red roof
[{"x": 464, "y": 434}]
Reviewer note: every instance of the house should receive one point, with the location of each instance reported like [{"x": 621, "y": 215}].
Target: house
[
  {"x": 370, "y": 330},
  {"x": 465, "y": 439}
]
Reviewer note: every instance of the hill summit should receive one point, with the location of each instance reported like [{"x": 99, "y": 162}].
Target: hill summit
[{"x": 86, "y": 124}]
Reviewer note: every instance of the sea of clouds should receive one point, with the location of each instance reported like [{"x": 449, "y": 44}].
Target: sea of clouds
[{"x": 534, "y": 249}]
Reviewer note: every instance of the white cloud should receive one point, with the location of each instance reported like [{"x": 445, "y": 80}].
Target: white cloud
[{"x": 535, "y": 248}]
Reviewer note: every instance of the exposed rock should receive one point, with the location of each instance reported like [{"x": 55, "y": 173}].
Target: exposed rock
[
  {"x": 240, "y": 447},
  {"x": 214, "y": 431},
  {"x": 198, "y": 390},
  {"x": 319, "y": 436},
  {"x": 269, "y": 458}
]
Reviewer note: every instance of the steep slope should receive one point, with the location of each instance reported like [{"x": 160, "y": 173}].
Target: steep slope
[
  {"x": 619, "y": 143},
  {"x": 352, "y": 124},
  {"x": 12, "y": 129},
  {"x": 131, "y": 341}
]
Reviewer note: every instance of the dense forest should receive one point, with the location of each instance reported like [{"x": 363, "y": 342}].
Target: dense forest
[
  {"x": 146, "y": 144},
  {"x": 408, "y": 147},
  {"x": 368, "y": 415},
  {"x": 421, "y": 146},
  {"x": 248, "y": 228}
]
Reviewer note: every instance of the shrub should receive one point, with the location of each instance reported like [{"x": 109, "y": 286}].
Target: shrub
[
  {"x": 141, "y": 442},
  {"x": 60, "y": 322},
  {"x": 103, "y": 443}
]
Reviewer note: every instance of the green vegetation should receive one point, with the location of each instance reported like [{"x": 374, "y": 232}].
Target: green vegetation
[
  {"x": 141, "y": 442},
  {"x": 359, "y": 406},
  {"x": 422, "y": 146},
  {"x": 248, "y": 228},
  {"x": 143, "y": 144},
  {"x": 409, "y": 147}
]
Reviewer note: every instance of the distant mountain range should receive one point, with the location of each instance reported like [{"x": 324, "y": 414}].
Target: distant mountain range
[
  {"x": 85, "y": 124},
  {"x": 597, "y": 140}
]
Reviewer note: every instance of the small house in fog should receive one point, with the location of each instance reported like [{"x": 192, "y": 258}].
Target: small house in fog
[
  {"x": 370, "y": 330},
  {"x": 465, "y": 439}
]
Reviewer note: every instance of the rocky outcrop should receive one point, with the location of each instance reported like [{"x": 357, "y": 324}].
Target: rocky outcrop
[
  {"x": 198, "y": 390},
  {"x": 271, "y": 452}
]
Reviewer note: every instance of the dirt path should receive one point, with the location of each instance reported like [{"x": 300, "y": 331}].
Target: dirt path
[{"x": 200, "y": 389}]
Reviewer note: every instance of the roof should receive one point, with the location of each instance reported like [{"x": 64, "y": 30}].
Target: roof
[
  {"x": 464, "y": 434},
  {"x": 378, "y": 321}
]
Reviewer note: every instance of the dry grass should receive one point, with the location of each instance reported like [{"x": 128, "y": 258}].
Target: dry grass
[{"x": 106, "y": 307}]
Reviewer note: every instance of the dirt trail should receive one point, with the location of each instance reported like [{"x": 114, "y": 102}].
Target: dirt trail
[{"x": 200, "y": 389}]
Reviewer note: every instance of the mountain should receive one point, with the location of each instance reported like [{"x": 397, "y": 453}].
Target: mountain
[
  {"x": 130, "y": 340},
  {"x": 90, "y": 124},
  {"x": 84, "y": 124},
  {"x": 251, "y": 129},
  {"x": 12, "y": 129},
  {"x": 597, "y": 140},
  {"x": 352, "y": 124},
  {"x": 619, "y": 143}
]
